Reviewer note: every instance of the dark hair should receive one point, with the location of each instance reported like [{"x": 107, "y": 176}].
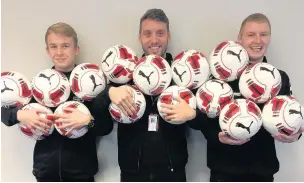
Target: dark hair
[{"x": 155, "y": 14}]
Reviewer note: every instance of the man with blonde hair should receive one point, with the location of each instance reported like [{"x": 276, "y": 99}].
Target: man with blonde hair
[
  {"x": 255, "y": 159},
  {"x": 58, "y": 158}
]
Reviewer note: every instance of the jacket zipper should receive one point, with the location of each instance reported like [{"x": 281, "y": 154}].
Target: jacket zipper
[
  {"x": 60, "y": 176},
  {"x": 168, "y": 151},
  {"x": 138, "y": 161}
]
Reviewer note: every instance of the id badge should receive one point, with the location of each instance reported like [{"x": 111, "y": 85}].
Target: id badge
[{"x": 153, "y": 123}]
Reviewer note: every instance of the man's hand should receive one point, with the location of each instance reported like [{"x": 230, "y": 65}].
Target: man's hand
[
  {"x": 178, "y": 113},
  {"x": 288, "y": 139},
  {"x": 225, "y": 139},
  {"x": 122, "y": 97},
  {"x": 32, "y": 120},
  {"x": 72, "y": 119}
]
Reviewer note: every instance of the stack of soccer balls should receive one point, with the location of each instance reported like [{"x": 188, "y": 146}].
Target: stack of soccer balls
[
  {"x": 51, "y": 88},
  {"x": 258, "y": 83}
]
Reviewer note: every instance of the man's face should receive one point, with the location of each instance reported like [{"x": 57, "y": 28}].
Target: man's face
[
  {"x": 255, "y": 38},
  {"x": 62, "y": 50},
  {"x": 154, "y": 37}
]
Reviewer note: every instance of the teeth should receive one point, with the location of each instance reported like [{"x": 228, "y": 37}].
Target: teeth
[{"x": 256, "y": 49}]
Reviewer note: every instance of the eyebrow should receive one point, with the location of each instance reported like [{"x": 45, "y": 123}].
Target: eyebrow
[{"x": 51, "y": 44}]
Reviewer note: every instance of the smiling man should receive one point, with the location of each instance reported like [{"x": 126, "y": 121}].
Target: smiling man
[
  {"x": 58, "y": 158},
  {"x": 254, "y": 159},
  {"x": 152, "y": 149}
]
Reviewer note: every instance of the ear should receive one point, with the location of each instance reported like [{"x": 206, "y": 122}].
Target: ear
[
  {"x": 239, "y": 39},
  {"x": 77, "y": 49},
  {"x": 139, "y": 37},
  {"x": 47, "y": 51},
  {"x": 169, "y": 35}
]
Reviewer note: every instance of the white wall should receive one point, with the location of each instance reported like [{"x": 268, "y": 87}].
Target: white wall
[{"x": 195, "y": 24}]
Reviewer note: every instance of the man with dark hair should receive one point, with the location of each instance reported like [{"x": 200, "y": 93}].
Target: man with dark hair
[{"x": 145, "y": 154}]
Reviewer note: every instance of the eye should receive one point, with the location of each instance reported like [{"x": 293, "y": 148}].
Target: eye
[
  {"x": 66, "y": 46},
  {"x": 53, "y": 46},
  {"x": 160, "y": 33},
  {"x": 147, "y": 33}
]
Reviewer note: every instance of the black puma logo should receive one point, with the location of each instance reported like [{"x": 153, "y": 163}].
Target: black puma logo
[
  {"x": 268, "y": 70},
  {"x": 105, "y": 60},
  {"x": 44, "y": 76},
  {"x": 141, "y": 73},
  {"x": 6, "y": 88},
  {"x": 230, "y": 52},
  {"x": 292, "y": 111},
  {"x": 219, "y": 82},
  {"x": 179, "y": 75},
  {"x": 238, "y": 124},
  {"x": 94, "y": 82}
]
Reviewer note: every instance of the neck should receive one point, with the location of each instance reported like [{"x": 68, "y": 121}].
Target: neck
[
  {"x": 69, "y": 69},
  {"x": 256, "y": 60}
]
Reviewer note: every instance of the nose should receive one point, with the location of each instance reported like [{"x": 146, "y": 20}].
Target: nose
[
  {"x": 59, "y": 50},
  {"x": 154, "y": 38},
  {"x": 257, "y": 38}
]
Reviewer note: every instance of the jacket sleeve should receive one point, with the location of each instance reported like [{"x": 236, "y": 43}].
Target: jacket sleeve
[
  {"x": 103, "y": 124},
  {"x": 9, "y": 116},
  {"x": 286, "y": 86}
]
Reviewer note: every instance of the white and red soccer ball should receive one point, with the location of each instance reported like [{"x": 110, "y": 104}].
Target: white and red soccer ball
[
  {"x": 118, "y": 63},
  {"x": 190, "y": 69},
  {"x": 228, "y": 61},
  {"x": 87, "y": 81},
  {"x": 152, "y": 75},
  {"x": 35, "y": 133},
  {"x": 213, "y": 96},
  {"x": 283, "y": 114},
  {"x": 76, "y": 133},
  {"x": 140, "y": 102},
  {"x": 241, "y": 119},
  {"x": 51, "y": 87},
  {"x": 260, "y": 82},
  {"x": 16, "y": 90},
  {"x": 167, "y": 97}
]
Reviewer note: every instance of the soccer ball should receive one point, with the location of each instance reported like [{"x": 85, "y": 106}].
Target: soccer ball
[
  {"x": 260, "y": 82},
  {"x": 118, "y": 63},
  {"x": 37, "y": 134},
  {"x": 152, "y": 75},
  {"x": 61, "y": 109},
  {"x": 213, "y": 96},
  {"x": 140, "y": 102},
  {"x": 241, "y": 119},
  {"x": 16, "y": 90},
  {"x": 87, "y": 81},
  {"x": 190, "y": 69},
  {"x": 283, "y": 114},
  {"x": 51, "y": 87},
  {"x": 228, "y": 61},
  {"x": 166, "y": 97}
]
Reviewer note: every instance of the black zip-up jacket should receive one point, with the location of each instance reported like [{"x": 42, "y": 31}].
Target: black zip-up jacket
[
  {"x": 131, "y": 139},
  {"x": 60, "y": 156},
  {"x": 256, "y": 157}
]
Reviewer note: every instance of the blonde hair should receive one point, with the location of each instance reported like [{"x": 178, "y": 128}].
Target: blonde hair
[
  {"x": 256, "y": 17},
  {"x": 62, "y": 29}
]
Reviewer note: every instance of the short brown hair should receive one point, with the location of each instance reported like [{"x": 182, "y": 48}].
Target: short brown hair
[
  {"x": 63, "y": 29},
  {"x": 155, "y": 14},
  {"x": 256, "y": 17}
]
